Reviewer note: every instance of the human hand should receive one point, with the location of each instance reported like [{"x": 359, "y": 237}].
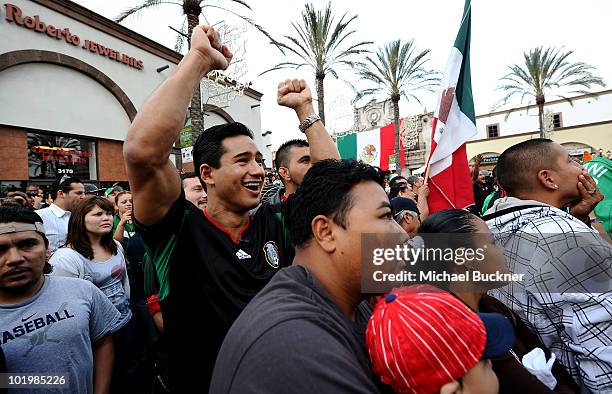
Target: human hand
[
  {"x": 126, "y": 217},
  {"x": 295, "y": 94},
  {"x": 590, "y": 196},
  {"x": 206, "y": 42},
  {"x": 423, "y": 191}
]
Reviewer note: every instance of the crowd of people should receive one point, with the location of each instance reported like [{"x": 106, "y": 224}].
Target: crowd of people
[{"x": 231, "y": 280}]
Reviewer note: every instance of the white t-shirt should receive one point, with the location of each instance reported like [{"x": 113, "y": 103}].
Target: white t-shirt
[{"x": 110, "y": 276}]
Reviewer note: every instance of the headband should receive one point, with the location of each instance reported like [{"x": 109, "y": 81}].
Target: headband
[{"x": 6, "y": 228}]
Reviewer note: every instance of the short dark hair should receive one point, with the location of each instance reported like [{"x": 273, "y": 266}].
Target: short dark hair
[
  {"x": 65, "y": 186},
  {"x": 517, "y": 165},
  {"x": 208, "y": 148},
  {"x": 189, "y": 175},
  {"x": 78, "y": 238},
  {"x": 10, "y": 213},
  {"x": 282, "y": 154},
  {"x": 326, "y": 190},
  {"x": 393, "y": 181}
]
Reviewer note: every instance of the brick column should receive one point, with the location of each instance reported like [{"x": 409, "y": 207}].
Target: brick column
[
  {"x": 110, "y": 161},
  {"x": 13, "y": 154}
]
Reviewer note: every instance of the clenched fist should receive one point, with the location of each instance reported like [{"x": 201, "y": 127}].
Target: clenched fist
[
  {"x": 296, "y": 94},
  {"x": 206, "y": 42}
]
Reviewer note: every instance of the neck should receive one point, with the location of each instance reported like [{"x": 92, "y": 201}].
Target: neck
[
  {"x": 60, "y": 203},
  {"x": 290, "y": 188},
  {"x": 552, "y": 199},
  {"x": 470, "y": 299},
  {"x": 232, "y": 221},
  {"x": 21, "y": 295},
  {"x": 324, "y": 269},
  {"x": 94, "y": 240}
]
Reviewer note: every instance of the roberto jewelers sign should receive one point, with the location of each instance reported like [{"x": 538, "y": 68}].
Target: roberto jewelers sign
[{"x": 34, "y": 23}]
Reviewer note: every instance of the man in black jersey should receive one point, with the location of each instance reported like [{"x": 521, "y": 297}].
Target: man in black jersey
[
  {"x": 304, "y": 332},
  {"x": 209, "y": 263}
]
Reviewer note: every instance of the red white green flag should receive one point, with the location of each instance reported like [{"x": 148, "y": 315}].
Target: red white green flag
[
  {"x": 454, "y": 124},
  {"x": 373, "y": 147}
]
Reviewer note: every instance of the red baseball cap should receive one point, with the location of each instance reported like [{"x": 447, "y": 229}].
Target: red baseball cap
[{"x": 420, "y": 338}]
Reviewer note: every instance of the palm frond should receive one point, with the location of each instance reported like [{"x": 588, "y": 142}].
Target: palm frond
[
  {"x": 147, "y": 4},
  {"x": 398, "y": 69},
  {"x": 546, "y": 70},
  {"x": 246, "y": 19}
]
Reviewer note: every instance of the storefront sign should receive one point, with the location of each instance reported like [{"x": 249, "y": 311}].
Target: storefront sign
[
  {"x": 15, "y": 15},
  {"x": 67, "y": 155},
  {"x": 490, "y": 160},
  {"x": 187, "y": 154},
  {"x": 51, "y": 156}
]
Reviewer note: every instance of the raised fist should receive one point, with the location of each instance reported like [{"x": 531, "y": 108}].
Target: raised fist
[
  {"x": 295, "y": 94},
  {"x": 205, "y": 41}
]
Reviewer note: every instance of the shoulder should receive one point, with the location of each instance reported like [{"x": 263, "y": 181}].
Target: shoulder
[
  {"x": 71, "y": 285},
  {"x": 43, "y": 212},
  {"x": 67, "y": 252}
]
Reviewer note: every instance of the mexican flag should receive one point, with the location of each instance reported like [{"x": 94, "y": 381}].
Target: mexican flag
[
  {"x": 454, "y": 124},
  {"x": 372, "y": 147}
]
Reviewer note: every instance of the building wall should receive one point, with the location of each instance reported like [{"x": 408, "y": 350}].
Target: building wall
[
  {"x": 61, "y": 97},
  {"x": 13, "y": 154},
  {"x": 71, "y": 85},
  {"x": 585, "y": 110},
  {"x": 55, "y": 98},
  {"x": 597, "y": 136},
  {"x": 110, "y": 161}
]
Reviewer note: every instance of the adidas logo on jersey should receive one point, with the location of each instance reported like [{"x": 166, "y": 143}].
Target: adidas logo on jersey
[{"x": 241, "y": 254}]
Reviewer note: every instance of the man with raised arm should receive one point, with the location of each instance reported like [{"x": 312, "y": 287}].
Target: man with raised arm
[{"x": 211, "y": 263}]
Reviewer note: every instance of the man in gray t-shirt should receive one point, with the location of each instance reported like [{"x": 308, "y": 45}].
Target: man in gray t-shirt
[{"x": 50, "y": 325}]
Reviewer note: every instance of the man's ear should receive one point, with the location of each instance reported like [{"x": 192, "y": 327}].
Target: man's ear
[
  {"x": 206, "y": 174},
  {"x": 548, "y": 179},
  {"x": 451, "y": 388},
  {"x": 284, "y": 174},
  {"x": 323, "y": 234}
]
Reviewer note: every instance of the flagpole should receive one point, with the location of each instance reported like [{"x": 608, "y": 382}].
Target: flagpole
[{"x": 443, "y": 195}]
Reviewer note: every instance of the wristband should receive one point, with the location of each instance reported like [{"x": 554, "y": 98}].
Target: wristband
[{"x": 309, "y": 121}]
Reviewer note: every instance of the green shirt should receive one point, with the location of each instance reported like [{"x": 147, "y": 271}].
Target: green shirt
[{"x": 600, "y": 169}]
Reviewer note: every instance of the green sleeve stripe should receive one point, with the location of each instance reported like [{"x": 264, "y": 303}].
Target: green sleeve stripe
[
  {"x": 161, "y": 257},
  {"x": 286, "y": 235}
]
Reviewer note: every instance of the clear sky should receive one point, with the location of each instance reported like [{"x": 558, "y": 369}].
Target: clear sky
[{"x": 501, "y": 32}]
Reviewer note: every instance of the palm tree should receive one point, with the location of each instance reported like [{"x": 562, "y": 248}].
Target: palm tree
[
  {"x": 398, "y": 70},
  {"x": 545, "y": 72},
  {"x": 192, "y": 9},
  {"x": 318, "y": 44}
]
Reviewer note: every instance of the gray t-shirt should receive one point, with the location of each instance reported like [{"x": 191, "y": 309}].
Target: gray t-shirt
[
  {"x": 53, "y": 332},
  {"x": 110, "y": 276}
]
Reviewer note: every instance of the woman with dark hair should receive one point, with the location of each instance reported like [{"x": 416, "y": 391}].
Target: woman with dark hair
[
  {"x": 92, "y": 254},
  {"x": 123, "y": 228},
  {"x": 461, "y": 230}
]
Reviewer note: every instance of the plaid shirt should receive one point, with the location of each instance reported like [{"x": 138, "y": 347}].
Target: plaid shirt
[{"x": 566, "y": 294}]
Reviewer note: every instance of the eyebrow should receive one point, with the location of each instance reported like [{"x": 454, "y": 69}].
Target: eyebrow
[
  {"x": 385, "y": 204},
  {"x": 304, "y": 158}
]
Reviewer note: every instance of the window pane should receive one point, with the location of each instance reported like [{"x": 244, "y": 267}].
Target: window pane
[{"x": 50, "y": 157}]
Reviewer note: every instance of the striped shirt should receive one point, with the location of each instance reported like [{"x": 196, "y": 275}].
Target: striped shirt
[
  {"x": 566, "y": 294},
  {"x": 55, "y": 221}
]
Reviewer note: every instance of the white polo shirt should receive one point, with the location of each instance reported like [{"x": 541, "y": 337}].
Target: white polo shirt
[{"x": 55, "y": 221}]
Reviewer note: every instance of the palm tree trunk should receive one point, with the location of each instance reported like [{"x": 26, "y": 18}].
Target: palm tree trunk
[
  {"x": 321, "y": 96},
  {"x": 396, "y": 121},
  {"x": 540, "y": 102},
  {"x": 195, "y": 110}
]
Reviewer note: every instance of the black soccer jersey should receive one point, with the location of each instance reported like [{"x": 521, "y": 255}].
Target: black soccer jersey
[{"x": 207, "y": 278}]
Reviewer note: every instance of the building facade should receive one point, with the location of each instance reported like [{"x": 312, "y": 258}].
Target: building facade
[
  {"x": 71, "y": 82},
  {"x": 585, "y": 125}
]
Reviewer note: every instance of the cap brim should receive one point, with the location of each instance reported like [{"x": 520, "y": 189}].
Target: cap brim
[{"x": 500, "y": 335}]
